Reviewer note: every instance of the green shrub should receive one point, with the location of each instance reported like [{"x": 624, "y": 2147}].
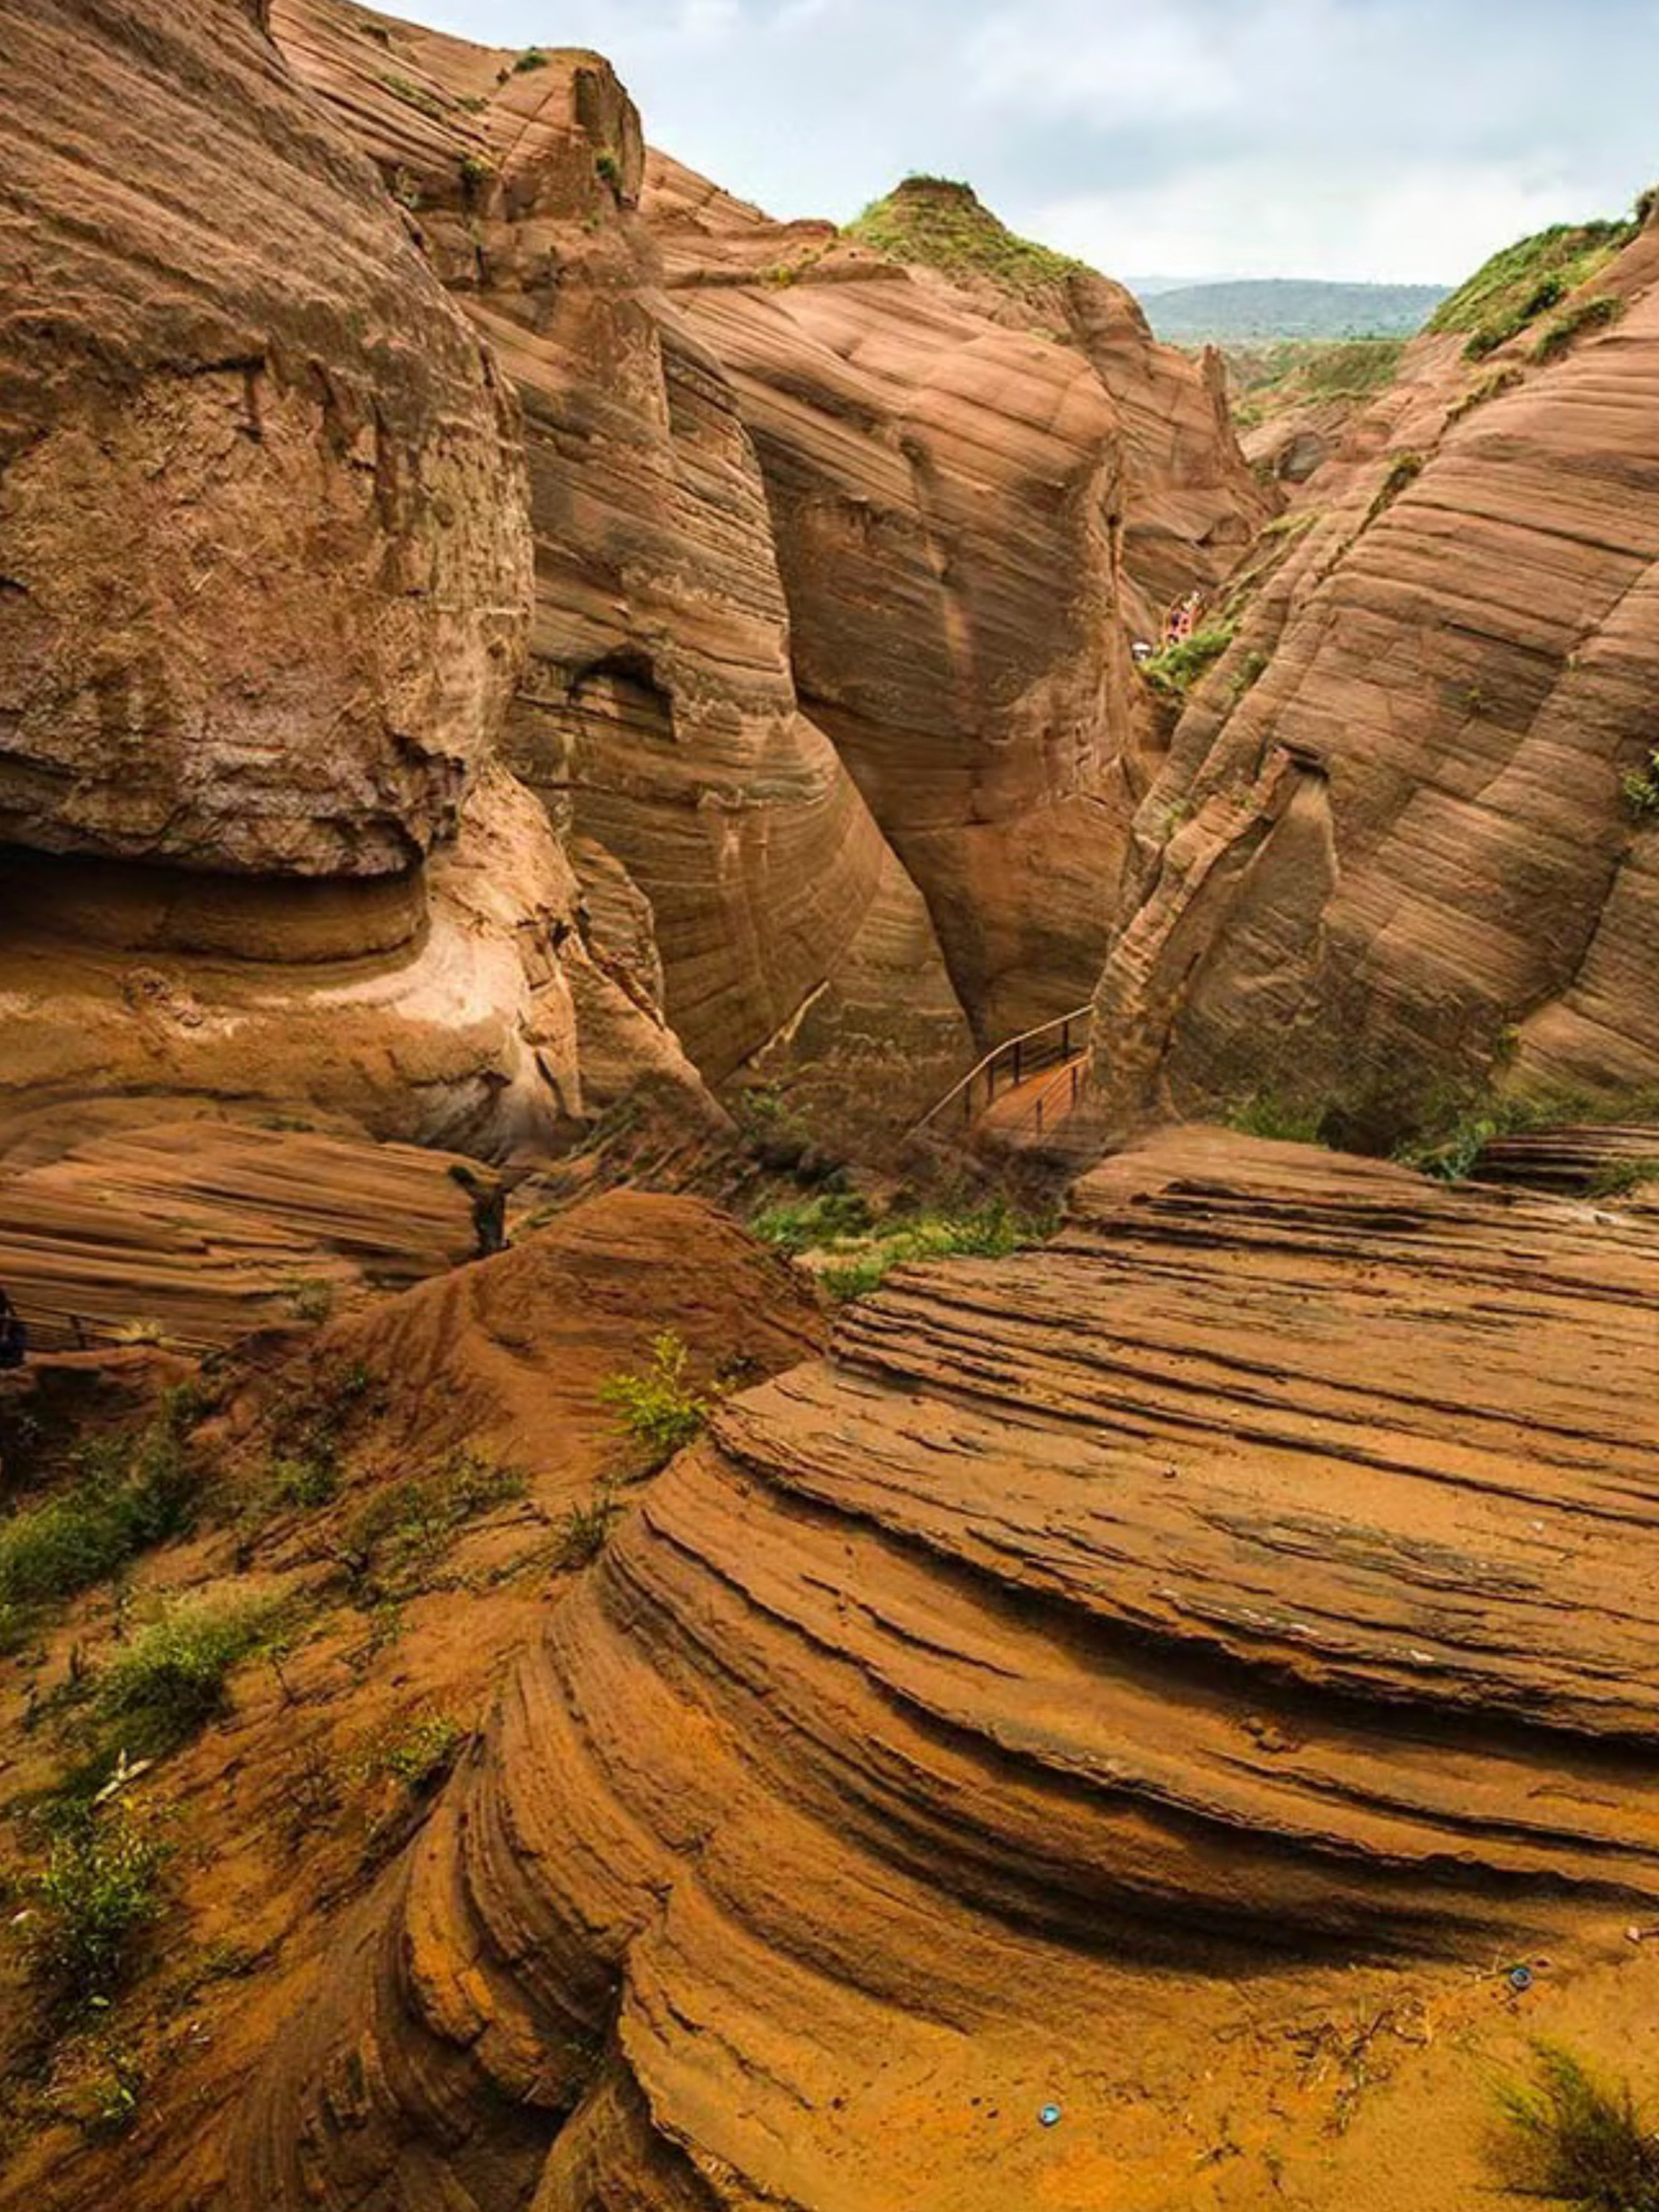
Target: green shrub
[
  {"x": 423, "y": 1754},
  {"x": 1178, "y": 667},
  {"x": 130, "y": 1492},
  {"x": 399, "y": 1531},
  {"x": 310, "y": 1298},
  {"x": 1286, "y": 1120},
  {"x": 658, "y": 1406},
  {"x": 1640, "y": 788},
  {"x": 1402, "y": 471},
  {"x": 417, "y": 96},
  {"x": 97, "y": 1894},
  {"x": 609, "y": 170},
  {"x": 827, "y": 1218},
  {"x": 586, "y": 1530},
  {"x": 1619, "y": 1178},
  {"x": 1526, "y": 279},
  {"x": 532, "y": 57},
  {"x": 1596, "y": 313},
  {"x": 989, "y": 1231},
  {"x": 1576, "y": 2142},
  {"x": 1493, "y": 386},
  {"x": 476, "y": 174},
  {"x": 170, "y": 1682}
]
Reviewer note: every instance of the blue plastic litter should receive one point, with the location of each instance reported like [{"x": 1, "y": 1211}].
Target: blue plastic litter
[
  {"x": 1520, "y": 1978},
  {"x": 1049, "y": 2116}
]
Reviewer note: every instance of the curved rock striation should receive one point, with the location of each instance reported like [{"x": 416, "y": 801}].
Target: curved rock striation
[
  {"x": 1096, "y": 1653},
  {"x": 658, "y": 719},
  {"x": 265, "y": 578},
  {"x": 1392, "y": 855}
]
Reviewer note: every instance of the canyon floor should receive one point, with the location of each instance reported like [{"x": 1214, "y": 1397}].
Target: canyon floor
[{"x": 1174, "y": 1675}]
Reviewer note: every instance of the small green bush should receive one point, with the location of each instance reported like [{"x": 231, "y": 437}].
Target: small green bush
[
  {"x": 586, "y": 1530},
  {"x": 97, "y": 1894},
  {"x": 1597, "y": 313},
  {"x": 170, "y": 1682},
  {"x": 1402, "y": 471},
  {"x": 532, "y": 57},
  {"x": 1493, "y": 386},
  {"x": 989, "y": 1231},
  {"x": 609, "y": 169},
  {"x": 401, "y": 1530},
  {"x": 1177, "y": 668},
  {"x": 131, "y": 1493},
  {"x": 417, "y": 96},
  {"x": 830, "y": 1216},
  {"x": 1619, "y": 1178},
  {"x": 1286, "y": 1120},
  {"x": 423, "y": 1754},
  {"x": 1640, "y": 788},
  {"x": 658, "y": 1406},
  {"x": 1576, "y": 2142},
  {"x": 310, "y": 1298}
]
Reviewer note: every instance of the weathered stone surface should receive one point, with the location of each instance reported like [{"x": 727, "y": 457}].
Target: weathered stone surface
[
  {"x": 1248, "y": 1597},
  {"x": 1409, "y": 864},
  {"x": 658, "y": 717},
  {"x": 262, "y": 536}
]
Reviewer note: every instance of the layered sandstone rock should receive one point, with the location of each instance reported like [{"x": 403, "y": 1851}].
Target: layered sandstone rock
[
  {"x": 1391, "y": 855},
  {"x": 265, "y": 591},
  {"x": 1236, "y": 1615},
  {"x": 658, "y": 717},
  {"x": 949, "y": 503}
]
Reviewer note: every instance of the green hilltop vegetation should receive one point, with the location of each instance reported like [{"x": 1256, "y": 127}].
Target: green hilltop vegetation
[
  {"x": 1290, "y": 307},
  {"x": 941, "y": 223},
  {"x": 1530, "y": 277},
  {"x": 1296, "y": 372}
]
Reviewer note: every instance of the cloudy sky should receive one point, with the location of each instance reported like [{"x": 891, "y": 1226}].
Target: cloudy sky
[{"x": 1397, "y": 140}]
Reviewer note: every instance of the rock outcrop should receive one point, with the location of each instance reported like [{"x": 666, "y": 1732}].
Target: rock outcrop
[
  {"x": 1050, "y": 1696},
  {"x": 1394, "y": 855},
  {"x": 658, "y": 717},
  {"x": 265, "y": 594}
]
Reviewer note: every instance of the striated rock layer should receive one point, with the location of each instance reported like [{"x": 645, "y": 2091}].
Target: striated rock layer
[
  {"x": 265, "y": 594},
  {"x": 1095, "y": 1651},
  {"x": 1391, "y": 854},
  {"x": 658, "y": 717}
]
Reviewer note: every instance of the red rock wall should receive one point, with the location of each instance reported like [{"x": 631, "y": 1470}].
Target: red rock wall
[{"x": 1389, "y": 856}]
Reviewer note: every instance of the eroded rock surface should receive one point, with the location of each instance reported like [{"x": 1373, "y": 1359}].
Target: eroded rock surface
[
  {"x": 1391, "y": 855},
  {"x": 1042, "y": 1697},
  {"x": 658, "y": 719}
]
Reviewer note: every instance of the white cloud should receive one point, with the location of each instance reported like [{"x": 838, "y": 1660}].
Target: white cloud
[{"x": 1271, "y": 219}]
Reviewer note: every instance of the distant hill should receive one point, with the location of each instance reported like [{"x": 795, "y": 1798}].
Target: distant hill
[{"x": 1292, "y": 308}]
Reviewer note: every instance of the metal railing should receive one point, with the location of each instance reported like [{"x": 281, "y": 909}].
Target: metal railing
[{"x": 1054, "y": 1044}]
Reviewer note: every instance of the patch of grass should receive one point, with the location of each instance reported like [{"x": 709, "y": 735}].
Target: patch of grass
[
  {"x": 940, "y": 223},
  {"x": 609, "y": 170},
  {"x": 658, "y": 1405},
  {"x": 1528, "y": 278},
  {"x": 1247, "y": 674},
  {"x": 310, "y": 1298},
  {"x": 823, "y": 1219},
  {"x": 989, "y": 1231},
  {"x": 131, "y": 1493},
  {"x": 1284, "y": 1120},
  {"x": 89, "y": 1905},
  {"x": 422, "y": 1755},
  {"x": 417, "y": 96},
  {"x": 1640, "y": 788},
  {"x": 1619, "y": 1178},
  {"x": 1177, "y": 668},
  {"x": 1456, "y": 1131},
  {"x": 1493, "y": 386},
  {"x": 171, "y": 1680},
  {"x": 397, "y": 1534},
  {"x": 1599, "y": 312},
  {"x": 585, "y": 1531},
  {"x": 1575, "y": 2141},
  {"x": 1402, "y": 471},
  {"x": 476, "y": 174}
]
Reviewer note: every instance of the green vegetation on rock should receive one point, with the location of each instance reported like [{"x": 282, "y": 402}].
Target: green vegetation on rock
[
  {"x": 1527, "y": 280},
  {"x": 1575, "y": 2141},
  {"x": 1178, "y": 667},
  {"x": 941, "y": 224}
]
